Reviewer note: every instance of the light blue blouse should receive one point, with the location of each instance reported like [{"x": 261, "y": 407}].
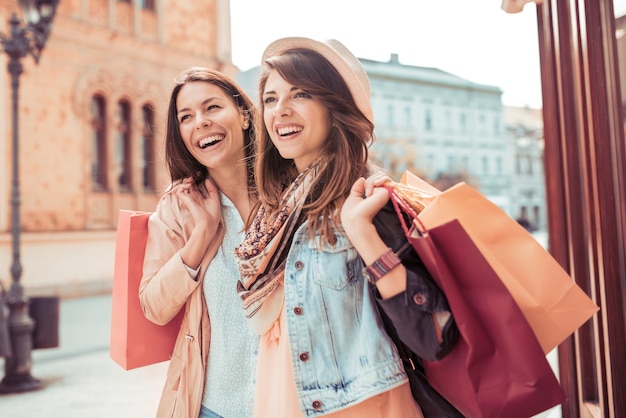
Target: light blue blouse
[{"x": 230, "y": 375}]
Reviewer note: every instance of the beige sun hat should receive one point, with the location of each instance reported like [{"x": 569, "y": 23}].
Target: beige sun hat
[{"x": 348, "y": 66}]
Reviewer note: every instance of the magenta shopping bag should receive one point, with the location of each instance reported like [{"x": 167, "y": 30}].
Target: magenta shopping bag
[{"x": 498, "y": 368}]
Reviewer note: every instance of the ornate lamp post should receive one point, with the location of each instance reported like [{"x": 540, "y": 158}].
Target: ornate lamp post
[{"x": 24, "y": 39}]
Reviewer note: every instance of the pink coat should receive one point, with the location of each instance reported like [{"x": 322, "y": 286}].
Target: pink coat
[{"x": 165, "y": 288}]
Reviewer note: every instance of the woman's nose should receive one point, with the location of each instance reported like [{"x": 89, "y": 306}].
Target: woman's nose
[
  {"x": 202, "y": 121},
  {"x": 282, "y": 108}
]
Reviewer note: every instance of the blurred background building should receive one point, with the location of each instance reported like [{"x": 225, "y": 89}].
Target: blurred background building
[
  {"x": 524, "y": 129},
  {"x": 91, "y": 116},
  {"x": 447, "y": 129}
]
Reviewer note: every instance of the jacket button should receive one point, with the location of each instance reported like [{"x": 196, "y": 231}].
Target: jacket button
[
  {"x": 297, "y": 310},
  {"x": 299, "y": 265},
  {"x": 304, "y": 356},
  {"x": 317, "y": 405},
  {"x": 419, "y": 299}
]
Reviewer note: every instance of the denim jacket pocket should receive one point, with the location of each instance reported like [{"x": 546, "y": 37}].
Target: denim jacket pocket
[{"x": 340, "y": 263}]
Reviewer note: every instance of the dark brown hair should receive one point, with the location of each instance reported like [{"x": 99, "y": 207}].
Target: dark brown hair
[{"x": 345, "y": 150}]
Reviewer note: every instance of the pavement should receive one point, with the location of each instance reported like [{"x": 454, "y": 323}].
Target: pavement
[{"x": 80, "y": 379}]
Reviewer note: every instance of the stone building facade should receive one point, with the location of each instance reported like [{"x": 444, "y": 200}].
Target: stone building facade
[
  {"x": 443, "y": 127},
  {"x": 91, "y": 123},
  {"x": 435, "y": 124},
  {"x": 524, "y": 127}
]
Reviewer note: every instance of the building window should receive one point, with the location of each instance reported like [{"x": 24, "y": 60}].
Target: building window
[
  {"x": 98, "y": 144},
  {"x": 147, "y": 4},
  {"x": 147, "y": 145},
  {"x": 123, "y": 146},
  {"x": 452, "y": 168},
  {"x": 485, "y": 163},
  {"x": 430, "y": 163},
  {"x": 428, "y": 120},
  {"x": 390, "y": 115},
  {"x": 465, "y": 164},
  {"x": 499, "y": 167},
  {"x": 407, "y": 115},
  {"x": 463, "y": 122},
  {"x": 482, "y": 120}
]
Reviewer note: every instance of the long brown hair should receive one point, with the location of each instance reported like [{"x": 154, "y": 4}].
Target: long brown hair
[
  {"x": 181, "y": 163},
  {"x": 345, "y": 150}
]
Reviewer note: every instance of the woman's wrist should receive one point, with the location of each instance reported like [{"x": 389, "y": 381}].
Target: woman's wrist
[{"x": 381, "y": 266}]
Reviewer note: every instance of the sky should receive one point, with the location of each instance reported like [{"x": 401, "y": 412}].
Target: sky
[{"x": 472, "y": 39}]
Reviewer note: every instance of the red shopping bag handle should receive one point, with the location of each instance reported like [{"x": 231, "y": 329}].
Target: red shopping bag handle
[{"x": 401, "y": 206}]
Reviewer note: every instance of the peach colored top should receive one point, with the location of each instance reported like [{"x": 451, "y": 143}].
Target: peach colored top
[{"x": 276, "y": 395}]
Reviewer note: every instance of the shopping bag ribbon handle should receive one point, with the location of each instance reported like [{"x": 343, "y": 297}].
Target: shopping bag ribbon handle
[{"x": 401, "y": 206}]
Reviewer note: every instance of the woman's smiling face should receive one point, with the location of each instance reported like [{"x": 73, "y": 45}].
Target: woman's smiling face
[
  {"x": 210, "y": 124},
  {"x": 298, "y": 123}
]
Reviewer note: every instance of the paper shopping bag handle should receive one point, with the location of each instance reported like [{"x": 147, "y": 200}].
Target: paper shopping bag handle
[{"x": 401, "y": 206}]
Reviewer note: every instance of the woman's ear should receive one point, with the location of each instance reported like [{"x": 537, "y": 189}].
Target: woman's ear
[{"x": 246, "y": 120}]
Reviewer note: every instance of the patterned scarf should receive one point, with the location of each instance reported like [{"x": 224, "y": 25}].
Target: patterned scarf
[{"x": 263, "y": 251}]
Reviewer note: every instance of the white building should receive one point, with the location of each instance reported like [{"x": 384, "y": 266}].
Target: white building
[
  {"x": 525, "y": 135},
  {"x": 441, "y": 127}
]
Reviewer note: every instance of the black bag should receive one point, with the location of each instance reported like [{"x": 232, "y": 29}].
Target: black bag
[{"x": 433, "y": 405}]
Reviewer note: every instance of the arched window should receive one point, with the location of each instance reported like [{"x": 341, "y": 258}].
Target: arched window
[
  {"x": 147, "y": 4},
  {"x": 123, "y": 153},
  {"x": 147, "y": 149},
  {"x": 98, "y": 144}
]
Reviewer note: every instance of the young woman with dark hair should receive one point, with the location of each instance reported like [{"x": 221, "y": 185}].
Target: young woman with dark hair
[
  {"x": 323, "y": 349},
  {"x": 189, "y": 263}
]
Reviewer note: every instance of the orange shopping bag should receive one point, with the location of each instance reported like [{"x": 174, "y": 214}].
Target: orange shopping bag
[
  {"x": 554, "y": 305},
  {"x": 135, "y": 341}
]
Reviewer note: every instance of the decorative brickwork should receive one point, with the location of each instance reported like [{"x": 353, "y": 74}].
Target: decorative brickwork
[
  {"x": 124, "y": 16},
  {"x": 116, "y": 51},
  {"x": 148, "y": 27},
  {"x": 97, "y": 11}
]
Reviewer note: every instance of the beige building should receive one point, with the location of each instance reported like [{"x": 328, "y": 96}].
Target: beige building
[{"x": 91, "y": 118}]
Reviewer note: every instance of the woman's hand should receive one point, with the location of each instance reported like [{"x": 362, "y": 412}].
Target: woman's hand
[
  {"x": 206, "y": 213},
  {"x": 366, "y": 199}
]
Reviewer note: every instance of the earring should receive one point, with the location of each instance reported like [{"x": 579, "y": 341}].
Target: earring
[{"x": 246, "y": 124}]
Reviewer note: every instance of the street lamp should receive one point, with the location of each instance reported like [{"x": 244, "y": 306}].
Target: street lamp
[{"x": 28, "y": 38}]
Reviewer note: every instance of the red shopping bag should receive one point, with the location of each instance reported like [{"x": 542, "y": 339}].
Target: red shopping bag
[
  {"x": 498, "y": 368},
  {"x": 554, "y": 305},
  {"x": 135, "y": 341}
]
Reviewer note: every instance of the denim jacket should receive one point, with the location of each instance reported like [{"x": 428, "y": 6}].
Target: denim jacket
[{"x": 340, "y": 352}]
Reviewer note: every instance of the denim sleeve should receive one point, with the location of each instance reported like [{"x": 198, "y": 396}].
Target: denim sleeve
[{"x": 411, "y": 311}]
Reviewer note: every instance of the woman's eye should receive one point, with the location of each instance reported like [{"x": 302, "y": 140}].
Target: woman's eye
[
  {"x": 303, "y": 94},
  {"x": 184, "y": 117},
  {"x": 268, "y": 100},
  {"x": 211, "y": 107}
]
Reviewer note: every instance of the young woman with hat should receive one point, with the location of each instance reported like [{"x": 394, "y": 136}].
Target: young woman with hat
[
  {"x": 323, "y": 349},
  {"x": 189, "y": 264}
]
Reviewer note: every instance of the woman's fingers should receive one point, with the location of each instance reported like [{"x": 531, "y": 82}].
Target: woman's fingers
[
  {"x": 377, "y": 179},
  {"x": 358, "y": 188}
]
